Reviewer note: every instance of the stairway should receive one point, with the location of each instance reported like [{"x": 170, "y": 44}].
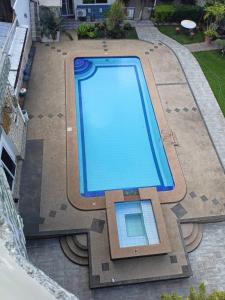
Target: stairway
[
  {"x": 192, "y": 234},
  {"x": 75, "y": 247}
]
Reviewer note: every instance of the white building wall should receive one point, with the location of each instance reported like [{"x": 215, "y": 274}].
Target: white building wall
[
  {"x": 19, "y": 279},
  {"x": 22, "y": 10},
  {"x": 53, "y": 3}
]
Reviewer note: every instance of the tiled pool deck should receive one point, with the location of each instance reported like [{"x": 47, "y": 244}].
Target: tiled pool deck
[{"x": 203, "y": 172}]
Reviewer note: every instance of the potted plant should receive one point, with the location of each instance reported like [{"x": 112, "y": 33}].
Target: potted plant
[
  {"x": 210, "y": 34},
  {"x": 50, "y": 24}
]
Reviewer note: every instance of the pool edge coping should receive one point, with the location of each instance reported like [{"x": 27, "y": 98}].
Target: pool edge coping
[{"x": 73, "y": 190}]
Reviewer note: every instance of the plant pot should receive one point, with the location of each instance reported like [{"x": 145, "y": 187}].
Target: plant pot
[
  {"x": 208, "y": 39},
  {"x": 45, "y": 39}
]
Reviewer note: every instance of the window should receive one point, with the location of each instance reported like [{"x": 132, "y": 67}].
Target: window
[
  {"x": 88, "y": 1},
  {"x": 94, "y": 1},
  {"x": 9, "y": 167}
]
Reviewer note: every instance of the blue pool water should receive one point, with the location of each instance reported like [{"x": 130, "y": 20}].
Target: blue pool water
[
  {"x": 136, "y": 225},
  {"x": 119, "y": 143}
]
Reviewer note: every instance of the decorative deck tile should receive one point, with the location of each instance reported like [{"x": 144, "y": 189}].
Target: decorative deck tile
[
  {"x": 215, "y": 201},
  {"x": 97, "y": 225},
  {"x": 173, "y": 259},
  {"x": 177, "y": 109},
  {"x": 63, "y": 206},
  {"x": 52, "y": 214},
  {"x": 41, "y": 220},
  {"x": 185, "y": 109},
  {"x": 179, "y": 210},
  {"x": 105, "y": 267},
  {"x": 204, "y": 198},
  {"x": 192, "y": 194},
  {"x": 60, "y": 115}
]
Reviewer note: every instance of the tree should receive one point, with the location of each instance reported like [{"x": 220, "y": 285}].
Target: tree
[
  {"x": 214, "y": 15},
  {"x": 115, "y": 15}
]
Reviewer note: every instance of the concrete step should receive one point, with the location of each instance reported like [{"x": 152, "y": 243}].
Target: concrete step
[
  {"x": 192, "y": 234},
  {"x": 191, "y": 247},
  {"x": 76, "y": 249},
  {"x": 188, "y": 240},
  {"x": 82, "y": 261},
  {"x": 81, "y": 240},
  {"x": 187, "y": 229}
]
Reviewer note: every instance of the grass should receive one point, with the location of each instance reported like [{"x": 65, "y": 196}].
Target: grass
[
  {"x": 213, "y": 66},
  {"x": 182, "y": 37},
  {"x": 131, "y": 34}
]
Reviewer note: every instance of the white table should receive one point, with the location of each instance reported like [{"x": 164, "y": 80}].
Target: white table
[{"x": 188, "y": 24}]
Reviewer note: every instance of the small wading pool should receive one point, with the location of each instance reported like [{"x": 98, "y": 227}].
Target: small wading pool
[
  {"x": 119, "y": 143},
  {"x": 136, "y": 223}
]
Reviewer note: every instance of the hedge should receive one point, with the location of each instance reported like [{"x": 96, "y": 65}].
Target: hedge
[{"x": 176, "y": 13}]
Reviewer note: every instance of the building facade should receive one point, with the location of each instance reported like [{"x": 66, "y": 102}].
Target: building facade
[{"x": 25, "y": 279}]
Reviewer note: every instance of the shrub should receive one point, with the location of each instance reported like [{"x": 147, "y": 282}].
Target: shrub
[
  {"x": 127, "y": 26},
  {"x": 49, "y": 22},
  {"x": 164, "y": 13},
  {"x": 115, "y": 15},
  {"x": 199, "y": 294},
  {"x": 87, "y": 30},
  {"x": 176, "y": 13},
  {"x": 116, "y": 33},
  {"x": 82, "y": 30},
  {"x": 192, "y": 12},
  {"x": 211, "y": 33}
]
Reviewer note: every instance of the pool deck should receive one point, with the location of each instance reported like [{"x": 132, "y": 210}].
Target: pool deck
[
  {"x": 73, "y": 182},
  {"x": 204, "y": 175}
]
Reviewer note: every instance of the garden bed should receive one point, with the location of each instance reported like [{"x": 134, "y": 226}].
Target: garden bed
[
  {"x": 213, "y": 66},
  {"x": 100, "y": 31}
]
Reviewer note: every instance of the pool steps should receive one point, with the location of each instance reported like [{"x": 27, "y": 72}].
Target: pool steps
[
  {"x": 82, "y": 66},
  {"x": 75, "y": 248},
  {"x": 192, "y": 235}
]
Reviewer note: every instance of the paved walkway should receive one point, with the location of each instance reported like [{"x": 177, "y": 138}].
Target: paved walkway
[
  {"x": 201, "y": 90},
  {"x": 196, "y": 47},
  {"x": 207, "y": 264}
]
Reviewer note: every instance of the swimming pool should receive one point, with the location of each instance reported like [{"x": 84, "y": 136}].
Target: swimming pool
[{"x": 119, "y": 143}]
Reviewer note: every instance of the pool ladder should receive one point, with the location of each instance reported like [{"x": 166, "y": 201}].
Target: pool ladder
[{"x": 169, "y": 137}]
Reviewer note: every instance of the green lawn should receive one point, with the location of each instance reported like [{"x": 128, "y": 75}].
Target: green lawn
[
  {"x": 131, "y": 34},
  {"x": 213, "y": 66},
  {"x": 182, "y": 38}
]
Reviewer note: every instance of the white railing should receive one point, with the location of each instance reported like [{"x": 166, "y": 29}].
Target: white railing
[
  {"x": 9, "y": 216},
  {"x": 9, "y": 38}
]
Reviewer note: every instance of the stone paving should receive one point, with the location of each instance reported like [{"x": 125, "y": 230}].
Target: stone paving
[
  {"x": 201, "y": 90},
  {"x": 196, "y": 47},
  {"x": 207, "y": 265},
  {"x": 46, "y": 106}
]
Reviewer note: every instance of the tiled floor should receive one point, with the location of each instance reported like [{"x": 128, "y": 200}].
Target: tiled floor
[
  {"x": 207, "y": 263},
  {"x": 203, "y": 173}
]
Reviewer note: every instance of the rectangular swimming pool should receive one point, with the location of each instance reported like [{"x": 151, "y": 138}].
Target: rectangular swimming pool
[{"x": 119, "y": 142}]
